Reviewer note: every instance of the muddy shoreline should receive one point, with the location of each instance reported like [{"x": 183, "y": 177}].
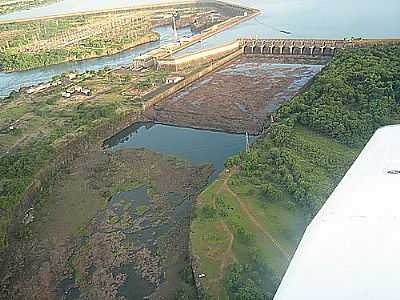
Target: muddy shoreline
[{"x": 238, "y": 97}]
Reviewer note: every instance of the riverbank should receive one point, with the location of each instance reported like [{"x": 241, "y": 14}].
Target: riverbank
[
  {"x": 37, "y": 62},
  {"x": 77, "y": 37}
]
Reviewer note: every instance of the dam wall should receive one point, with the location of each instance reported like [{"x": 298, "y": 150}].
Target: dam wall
[
  {"x": 307, "y": 47},
  {"x": 154, "y": 99},
  {"x": 198, "y": 58}
]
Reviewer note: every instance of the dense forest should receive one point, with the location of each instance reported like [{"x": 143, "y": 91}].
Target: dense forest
[{"x": 316, "y": 137}]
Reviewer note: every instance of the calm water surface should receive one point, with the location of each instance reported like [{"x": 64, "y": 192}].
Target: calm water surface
[
  {"x": 304, "y": 18},
  {"x": 195, "y": 145}
]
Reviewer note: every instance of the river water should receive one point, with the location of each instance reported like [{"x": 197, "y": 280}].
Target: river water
[
  {"x": 195, "y": 145},
  {"x": 304, "y": 18},
  {"x": 14, "y": 80}
]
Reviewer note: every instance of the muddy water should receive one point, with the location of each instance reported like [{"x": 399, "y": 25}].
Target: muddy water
[{"x": 197, "y": 146}]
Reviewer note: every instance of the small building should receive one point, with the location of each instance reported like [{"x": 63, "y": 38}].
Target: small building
[
  {"x": 72, "y": 76},
  {"x": 66, "y": 95},
  {"x": 86, "y": 92},
  {"x": 38, "y": 88},
  {"x": 78, "y": 89},
  {"x": 174, "y": 79}
]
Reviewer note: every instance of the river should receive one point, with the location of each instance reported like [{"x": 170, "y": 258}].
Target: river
[
  {"x": 14, "y": 80},
  {"x": 304, "y": 18}
]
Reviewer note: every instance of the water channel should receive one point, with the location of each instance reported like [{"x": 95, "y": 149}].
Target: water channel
[
  {"x": 14, "y": 80},
  {"x": 305, "y": 18}
]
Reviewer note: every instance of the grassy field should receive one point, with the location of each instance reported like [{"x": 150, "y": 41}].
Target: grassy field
[
  {"x": 236, "y": 221},
  {"x": 232, "y": 226}
]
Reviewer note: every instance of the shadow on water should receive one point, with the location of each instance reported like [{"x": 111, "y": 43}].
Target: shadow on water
[{"x": 196, "y": 145}]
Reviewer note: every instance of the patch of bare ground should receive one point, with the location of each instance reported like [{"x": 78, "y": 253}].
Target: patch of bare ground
[{"x": 237, "y": 98}]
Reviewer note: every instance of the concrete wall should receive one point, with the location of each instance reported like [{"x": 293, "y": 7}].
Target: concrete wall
[
  {"x": 198, "y": 58},
  {"x": 188, "y": 80}
]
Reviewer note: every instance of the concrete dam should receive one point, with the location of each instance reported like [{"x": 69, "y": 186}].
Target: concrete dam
[
  {"x": 306, "y": 47},
  {"x": 289, "y": 50}
]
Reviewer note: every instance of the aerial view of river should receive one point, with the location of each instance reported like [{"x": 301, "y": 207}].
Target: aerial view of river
[
  {"x": 10, "y": 81},
  {"x": 303, "y": 19}
]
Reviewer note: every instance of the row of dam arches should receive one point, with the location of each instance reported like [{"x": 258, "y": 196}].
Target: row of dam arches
[{"x": 294, "y": 47}]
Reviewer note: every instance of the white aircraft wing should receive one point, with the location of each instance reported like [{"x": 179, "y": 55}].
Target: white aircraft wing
[{"x": 351, "y": 250}]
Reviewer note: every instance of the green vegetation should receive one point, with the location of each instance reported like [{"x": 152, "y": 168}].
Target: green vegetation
[
  {"x": 281, "y": 183},
  {"x": 319, "y": 133},
  {"x": 14, "y": 59},
  {"x": 37, "y": 43},
  {"x": 53, "y": 41},
  {"x": 44, "y": 121},
  {"x": 140, "y": 210}
]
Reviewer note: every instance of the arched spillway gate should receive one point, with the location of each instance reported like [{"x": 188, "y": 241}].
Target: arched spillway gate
[{"x": 307, "y": 47}]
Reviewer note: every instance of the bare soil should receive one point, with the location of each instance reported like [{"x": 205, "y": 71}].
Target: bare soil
[{"x": 237, "y": 98}]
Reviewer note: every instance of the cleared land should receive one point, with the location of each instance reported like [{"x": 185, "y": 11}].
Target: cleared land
[{"x": 239, "y": 97}]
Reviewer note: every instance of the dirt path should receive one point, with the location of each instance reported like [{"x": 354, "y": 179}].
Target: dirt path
[
  {"x": 253, "y": 220},
  {"x": 228, "y": 252}
]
